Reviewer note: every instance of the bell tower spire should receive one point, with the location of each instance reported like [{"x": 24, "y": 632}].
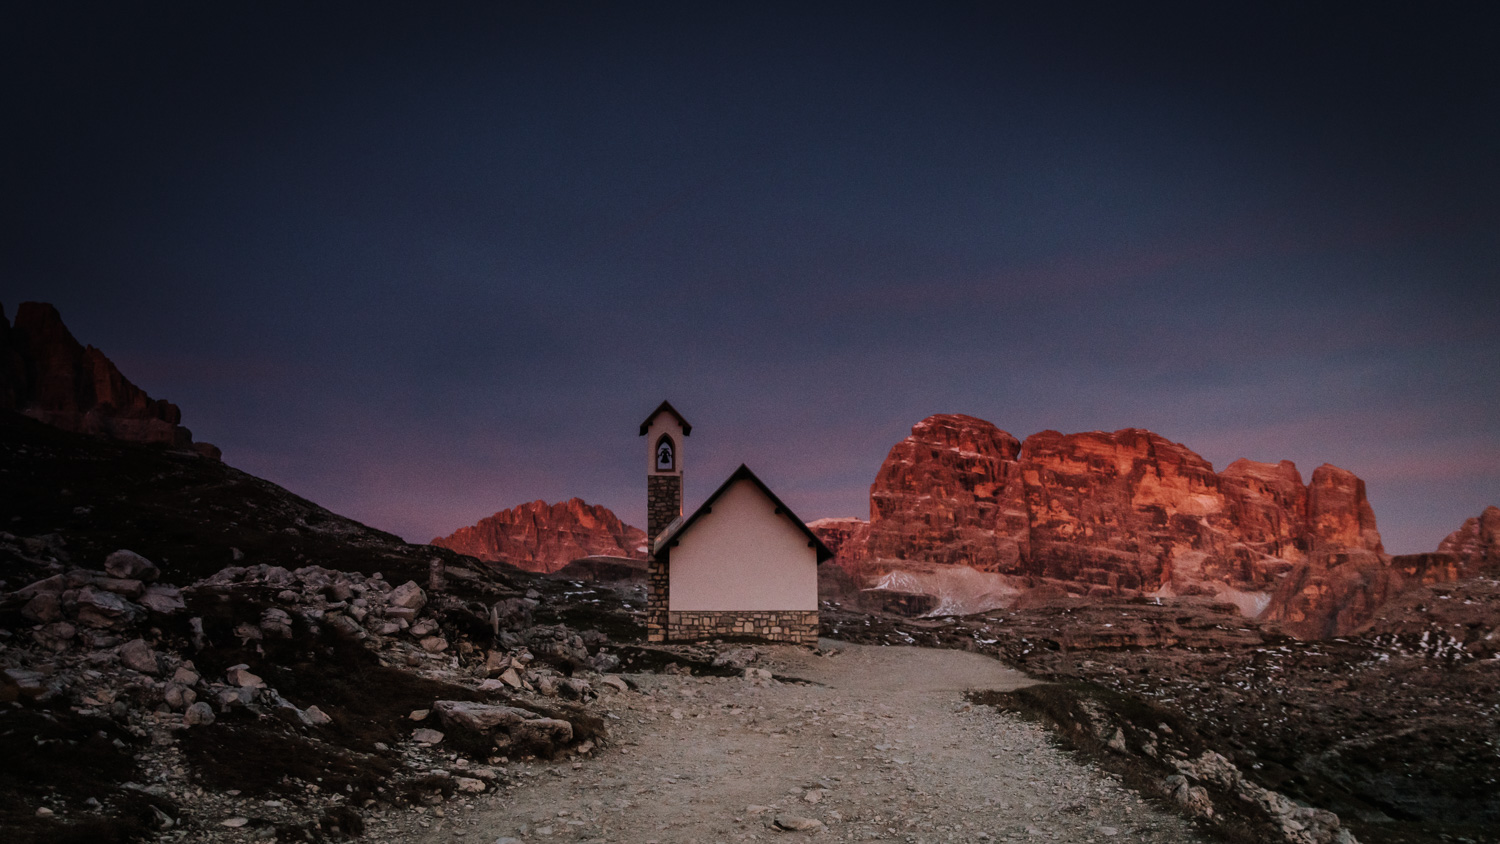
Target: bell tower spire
[{"x": 664, "y": 430}]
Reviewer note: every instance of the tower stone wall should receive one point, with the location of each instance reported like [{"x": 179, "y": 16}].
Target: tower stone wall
[{"x": 663, "y": 503}]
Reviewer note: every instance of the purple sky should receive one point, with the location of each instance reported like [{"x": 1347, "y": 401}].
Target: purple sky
[{"x": 419, "y": 267}]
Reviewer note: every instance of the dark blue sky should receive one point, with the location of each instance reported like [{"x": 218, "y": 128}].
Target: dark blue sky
[{"x": 420, "y": 266}]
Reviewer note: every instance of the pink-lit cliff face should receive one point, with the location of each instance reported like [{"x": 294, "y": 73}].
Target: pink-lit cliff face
[
  {"x": 545, "y": 537},
  {"x": 1130, "y": 513}
]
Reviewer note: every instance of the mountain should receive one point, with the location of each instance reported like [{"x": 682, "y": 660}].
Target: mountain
[
  {"x": 1122, "y": 514},
  {"x": 542, "y": 537},
  {"x": 48, "y": 375},
  {"x": 1476, "y": 545}
]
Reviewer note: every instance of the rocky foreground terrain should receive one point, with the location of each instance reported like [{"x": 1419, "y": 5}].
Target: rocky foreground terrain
[
  {"x": 188, "y": 651},
  {"x": 1395, "y": 730}
]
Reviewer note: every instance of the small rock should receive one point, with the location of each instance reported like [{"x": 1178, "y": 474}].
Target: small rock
[
  {"x": 179, "y": 696},
  {"x": 434, "y": 644},
  {"x": 137, "y": 655},
  {"x": 793, "y": 823},
  {"x": 419, "y": 714},
  {"x": 163, "y": 599},
  {"x": 510, "y": 678},
  {"x": 316, "y": 716},
  {"x": 124, "y": 587},
  {"x": 239, "y": 675},
  {"x": 425, "y": 736},
  {"x": 128, "y": 564},
  {"x": 234, "y": 823},
  {"x": 276, "y": 622},
  {"x": 43, "y": 607},
  {"x": 1117, "y": 742},
  {"x": 614, "y": 682},
  {"x": 198, "y": 714},
  {"x": 44, "y": 812},
  {"x": 469, "y": 785}
]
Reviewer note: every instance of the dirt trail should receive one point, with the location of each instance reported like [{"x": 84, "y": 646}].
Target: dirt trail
[{"x": 879, "y": 746}]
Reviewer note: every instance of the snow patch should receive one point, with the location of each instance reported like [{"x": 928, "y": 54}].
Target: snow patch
[{"x": 959, "y": 590}]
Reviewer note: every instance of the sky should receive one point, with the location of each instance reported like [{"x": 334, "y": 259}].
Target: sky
[{"x": 423, "y": 262}]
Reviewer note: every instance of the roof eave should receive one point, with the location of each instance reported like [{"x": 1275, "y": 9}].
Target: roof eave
[{"x": 666, "y": 407}]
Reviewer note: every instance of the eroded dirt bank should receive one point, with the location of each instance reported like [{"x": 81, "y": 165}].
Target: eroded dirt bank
[{"x": 879, "y": 744}]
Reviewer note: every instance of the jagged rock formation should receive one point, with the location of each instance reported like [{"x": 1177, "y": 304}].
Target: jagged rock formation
[
  {"x": 48, "y": 375},
  {"x": 1342, "y": 589},
  {"x": 845, "y": 537},
  {"x": 950, "y": 493},
  {"x": 542, "y": 537},
  {"x": 1476, "y": 545},
  {"x": 1123, "y": 513}
]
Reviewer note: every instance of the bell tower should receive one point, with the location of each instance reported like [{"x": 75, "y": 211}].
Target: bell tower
[{"x": 664, "y": 430}]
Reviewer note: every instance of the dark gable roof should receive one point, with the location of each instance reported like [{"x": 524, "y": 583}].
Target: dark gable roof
[
  {"x": 666, "y": 407},
  {"x": 740, "y": 474}
]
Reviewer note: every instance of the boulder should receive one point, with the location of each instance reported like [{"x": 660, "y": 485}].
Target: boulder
[
  {"x": 139, "y": 656},
  {"x": 423, "y": 735},
  {"x": 405, "y": 601},
  {"x": 43, "y": 607},
  {"x": 130, "y": 565},
  {"x": 511, "y": 729},
  {"x": 198, "y": 714},
  {"x": 179, "y": 696},
  {"x": 102, "y": 609},
  {"x": 276, "y": 622},
  {"x": 162, "y": 599},
  {"x": 21, "y": 684},
  {"x": 239, "y": 675}
]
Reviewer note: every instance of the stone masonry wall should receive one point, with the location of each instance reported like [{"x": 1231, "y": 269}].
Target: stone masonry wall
[
  {"x": 796, "y": 626},
  {"x": 663, "y": 503},
  {"x": 657, "y": 592}
]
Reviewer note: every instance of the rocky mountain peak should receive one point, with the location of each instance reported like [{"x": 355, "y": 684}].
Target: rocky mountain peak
[
  {"x": 48, "y": 375},
  {"x": 1339, "y": 513},
  {"x": 1476, "y": 544},
  {"x": 1098, "y": 514},
  {"x": 543, "y": 537}
]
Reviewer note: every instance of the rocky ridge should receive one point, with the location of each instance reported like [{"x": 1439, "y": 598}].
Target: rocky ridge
[
  {"x": 1122, "y": 514},
  {"x": 48, "y": 375},
  {"x": 542, "y": 537}
]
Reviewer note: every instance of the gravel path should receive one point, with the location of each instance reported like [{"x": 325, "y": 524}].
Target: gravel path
[{"x": 879, "y": 746}]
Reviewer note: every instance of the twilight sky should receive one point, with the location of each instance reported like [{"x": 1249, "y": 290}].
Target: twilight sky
[{"x": 420, "y": 265}]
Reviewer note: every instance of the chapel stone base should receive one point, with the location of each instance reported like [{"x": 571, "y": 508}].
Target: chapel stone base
[{"x": 799, "y": 627}]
